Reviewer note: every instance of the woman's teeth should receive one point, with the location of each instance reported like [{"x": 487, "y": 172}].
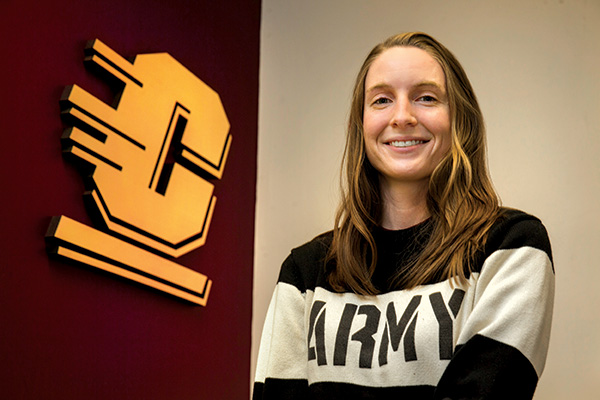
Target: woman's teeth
[{"x": 406, "y": 143}]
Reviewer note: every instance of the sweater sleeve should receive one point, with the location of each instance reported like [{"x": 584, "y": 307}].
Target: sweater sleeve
[
  {"x": 281, "y": 370},
  {"x": 501, "y": 350}
]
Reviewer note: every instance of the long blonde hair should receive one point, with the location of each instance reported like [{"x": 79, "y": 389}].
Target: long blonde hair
[{"x": 461, "y": 198}]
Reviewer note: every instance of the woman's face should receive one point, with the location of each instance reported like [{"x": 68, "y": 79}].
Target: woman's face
[{"x": 406, "y": 116}]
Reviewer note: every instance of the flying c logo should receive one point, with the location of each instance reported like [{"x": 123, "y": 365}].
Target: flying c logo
[{"x": 147, "y": 159}]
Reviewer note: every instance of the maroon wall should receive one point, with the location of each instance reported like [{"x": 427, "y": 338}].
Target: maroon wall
[{"x": 68, "y": 332}]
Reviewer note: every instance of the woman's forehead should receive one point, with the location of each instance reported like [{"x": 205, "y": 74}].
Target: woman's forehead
[{"x": 405, "y": 65}]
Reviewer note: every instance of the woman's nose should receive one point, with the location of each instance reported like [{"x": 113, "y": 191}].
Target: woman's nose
[{"x": 403, "y": 114}]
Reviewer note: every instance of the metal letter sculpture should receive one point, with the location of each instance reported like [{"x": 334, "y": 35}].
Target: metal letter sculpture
[{"x": 148, "y": 157}]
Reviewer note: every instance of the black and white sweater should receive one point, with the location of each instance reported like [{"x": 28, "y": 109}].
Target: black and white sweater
[{"x": 486, "y": 339}]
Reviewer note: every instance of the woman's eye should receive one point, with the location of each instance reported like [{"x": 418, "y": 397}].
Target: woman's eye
[
  {"x": 382, "y": 100},
  {"x": 427, "y": 99}
]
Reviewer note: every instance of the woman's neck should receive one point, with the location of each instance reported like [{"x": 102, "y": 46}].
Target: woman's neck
[{"x": 404, "y": 204}]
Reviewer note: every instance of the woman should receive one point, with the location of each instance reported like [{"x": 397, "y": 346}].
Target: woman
[{"x": 426, "y": 288}]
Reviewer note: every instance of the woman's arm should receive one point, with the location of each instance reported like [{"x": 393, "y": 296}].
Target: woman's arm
[
  {"x": 501, "y": 350},
  {"x": 282, "y": 359}
]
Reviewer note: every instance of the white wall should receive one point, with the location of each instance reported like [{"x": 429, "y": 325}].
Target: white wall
[{"x": 535, "y": 65}]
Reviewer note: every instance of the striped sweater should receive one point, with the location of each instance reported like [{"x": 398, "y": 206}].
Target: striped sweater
[{"x": 483, "y": 339}]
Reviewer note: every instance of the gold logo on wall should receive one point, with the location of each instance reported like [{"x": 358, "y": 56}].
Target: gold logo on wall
[{"x": 147, "y": 160}]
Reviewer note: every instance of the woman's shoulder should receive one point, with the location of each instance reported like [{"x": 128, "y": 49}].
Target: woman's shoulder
[
  {"x": 517, "y": 229},
  {"x": 318, "y": 247},
  {"x": 305, "y": 265}
]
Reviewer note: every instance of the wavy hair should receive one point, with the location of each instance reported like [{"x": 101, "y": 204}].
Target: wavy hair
[{"x": 461, "y": 199}]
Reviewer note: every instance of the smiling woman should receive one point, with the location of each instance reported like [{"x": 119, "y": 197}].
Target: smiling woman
[{"x": 421, "y": 254}]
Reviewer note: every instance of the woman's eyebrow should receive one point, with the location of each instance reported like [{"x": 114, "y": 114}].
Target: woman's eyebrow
[
  {"x": 430, "y": 84},
  {"x": 379, "y": 86},
  {"x": 423, "y": 84}
]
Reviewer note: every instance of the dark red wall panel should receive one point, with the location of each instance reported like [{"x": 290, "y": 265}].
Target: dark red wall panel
[{"x": 68, "y": 332}]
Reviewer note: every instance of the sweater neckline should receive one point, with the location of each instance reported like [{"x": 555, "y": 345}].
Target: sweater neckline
[{"x": 411, "y": 229}]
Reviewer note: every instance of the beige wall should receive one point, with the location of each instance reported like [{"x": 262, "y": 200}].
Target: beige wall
[{"x": 535, "y": 65}]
